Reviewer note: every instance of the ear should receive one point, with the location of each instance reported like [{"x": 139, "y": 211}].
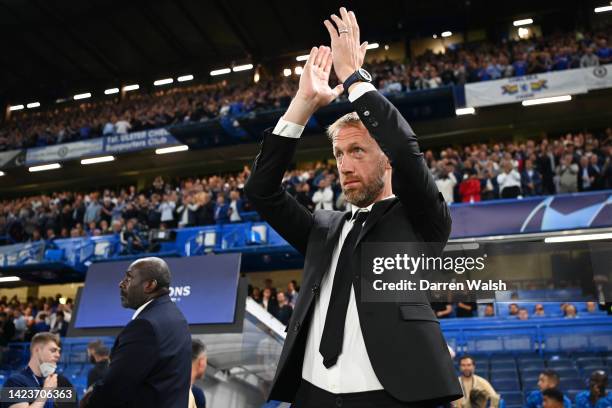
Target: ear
[{"x": 150, "y": 286}]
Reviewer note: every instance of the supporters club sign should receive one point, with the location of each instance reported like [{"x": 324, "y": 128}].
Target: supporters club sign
[
  {"x": 145, "y": 139},
  {"x": 517, "y": 89}
]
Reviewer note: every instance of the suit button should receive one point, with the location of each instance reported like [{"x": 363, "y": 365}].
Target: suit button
[
  {"x": 374, "y": 123},
  {"x": 366, "y": 113},
  {"x": 339, "y": 401},
  {"x": 315, "y": 289},
  {"x": 297, "y": 326}
]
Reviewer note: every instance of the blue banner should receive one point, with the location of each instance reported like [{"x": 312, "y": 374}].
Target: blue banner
[
  {"x": 145, "y": 139},
  {"x": 535, "y": 214},
  {"x": 205, "y": 288}
]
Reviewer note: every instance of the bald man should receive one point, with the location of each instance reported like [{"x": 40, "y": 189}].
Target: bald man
[{"x": 151, "y": 359}]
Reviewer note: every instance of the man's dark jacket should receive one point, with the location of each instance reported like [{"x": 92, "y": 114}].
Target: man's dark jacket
[
  {"x": 404, "y": 342},
  {"x": 150, "y": 362}
]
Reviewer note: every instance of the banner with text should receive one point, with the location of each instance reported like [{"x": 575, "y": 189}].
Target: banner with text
[
  {"x": 141, "y": 140},
  {"x": 517, "y": 89}
]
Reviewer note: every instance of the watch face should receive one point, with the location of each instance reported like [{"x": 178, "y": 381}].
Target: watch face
[{"x": 365, "y": 74}]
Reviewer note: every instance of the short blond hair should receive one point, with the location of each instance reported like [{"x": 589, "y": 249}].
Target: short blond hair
[
  {"x": 351, "y": 119},
  {"x": 43, "y": 338}
]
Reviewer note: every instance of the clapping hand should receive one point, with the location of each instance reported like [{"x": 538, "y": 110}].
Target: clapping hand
[{"x": 348, "y": 54}]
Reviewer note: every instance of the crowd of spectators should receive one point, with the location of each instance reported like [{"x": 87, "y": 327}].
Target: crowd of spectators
[
  {"x": 20, "y": 321},
  {"x": 459, "y": 64},
  {"x": 279, "y": 303},
  {"x": 574, "y": 162}
]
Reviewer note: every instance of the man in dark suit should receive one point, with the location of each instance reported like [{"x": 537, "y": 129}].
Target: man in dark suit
[
  {"x": 339, "y": 350},
  {"x": 151, "y": 358}
]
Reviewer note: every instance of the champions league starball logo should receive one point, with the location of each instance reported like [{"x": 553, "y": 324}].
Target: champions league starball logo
[{"x": 177, "y": 293}]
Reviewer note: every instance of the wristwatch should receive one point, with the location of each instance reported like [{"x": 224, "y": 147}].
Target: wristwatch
[{"x": 361, "y": 75}]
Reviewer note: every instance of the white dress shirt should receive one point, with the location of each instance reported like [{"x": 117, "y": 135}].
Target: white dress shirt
[
  {"x": 353, "y": 371},
  {"x": 141, "y": 308}
]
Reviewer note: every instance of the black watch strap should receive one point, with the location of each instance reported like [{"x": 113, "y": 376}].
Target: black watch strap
[{"x": 361, "y": 75}]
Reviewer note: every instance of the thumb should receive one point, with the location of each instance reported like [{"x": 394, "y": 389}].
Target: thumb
[
  {"x": 363, "y": 47},
  {"x": 338, "y": 89}
]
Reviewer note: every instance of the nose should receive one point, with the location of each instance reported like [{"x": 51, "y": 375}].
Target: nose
[{"x": 345, "y": 165}]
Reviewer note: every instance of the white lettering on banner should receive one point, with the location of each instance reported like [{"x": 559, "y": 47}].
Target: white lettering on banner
[
  {"x": 517, "y": 89},
  {"x": 64, "y": 151},
  {"x": 178, "y": 292}
]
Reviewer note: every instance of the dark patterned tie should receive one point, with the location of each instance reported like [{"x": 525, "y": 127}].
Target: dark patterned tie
[{"x": 333, "y": 332}]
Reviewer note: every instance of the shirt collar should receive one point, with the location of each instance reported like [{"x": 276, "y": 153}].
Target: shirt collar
[
  {"x": 354, "y": 208},
  {"x": 140, "y": 309}
]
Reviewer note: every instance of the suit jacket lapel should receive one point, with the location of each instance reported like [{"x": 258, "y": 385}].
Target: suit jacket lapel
[{"x": 378, "y": 210}]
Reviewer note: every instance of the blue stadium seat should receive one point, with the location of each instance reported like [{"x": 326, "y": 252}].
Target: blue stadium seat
[
  {"x": 512, "y": 398},
  {"x": 507, "y": 384},
  {"x": 503, "y": 374},
  {"x": 560, "y": 364},
  {"x": 567, "y": 372},
  {"x": 589, "y": 361},
  {"x": 503, "y": 364},
  {"x": 572, "y": 383},
  {"x": 587, "y": 370}
]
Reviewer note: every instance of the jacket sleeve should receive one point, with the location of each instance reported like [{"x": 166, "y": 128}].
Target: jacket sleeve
[
  {"x": 132, "y": 360},
  {"x": 264, "y": 190},
  {"x": 412, "y": 182}
]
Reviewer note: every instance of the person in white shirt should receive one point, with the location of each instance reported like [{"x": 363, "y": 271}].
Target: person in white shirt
[
  {"x": 509, "y": 181},
  {"x": 122, "y": 127},
  {"x": 323, "y": 198},
  {"x": 446, "y": 183}
]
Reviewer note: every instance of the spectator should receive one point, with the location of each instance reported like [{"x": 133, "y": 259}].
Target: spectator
[
  {"x": 489, "y": 310},
  {"x": 570, "y": 311},
  {"x": 446, "y": 183},
  {"x": 539, "y": 310},
  {"x": 41, "y": 372},
  {"x": 284, "y": 309},
  {"x": 21, "y": 325},
  {"x": 470, "y": 381},
  {"x": 597, "y": 396},
  {"x": 235, "y": 206},
  {"x": 567, "y": 174},
  {"x": 99, "y": 356},
  {"x": 523, "y": 314},
  {"x": 531, "y": 180},
  {"x": 268, "y": 302},
  {"x": 130, "y": 239},
  {"x": 513, "y": 309},
  {"x": 221, "y": 210},
  {"x": 60, "y": 326},
  {"x": 292, "y": 292},
  {"x": 509, "y": 181},
  {"x": 187, "y": 212},
  {"x": 553, "y": 398},
  {"x": 466, "y": 309},
  {"x": 547, "y": 380},
  {"x": 199, "y": 362},
  {"x": 589, "y": 59},
  {"x": 323, "y": 198},
  {"x": 469, "y": 189}
]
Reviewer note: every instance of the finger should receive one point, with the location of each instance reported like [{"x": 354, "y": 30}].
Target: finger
[
  {"x": 333, "y": 33},
  {"x": 339, "y": 23},
  {"x": 345, "y": 17},
  {"x": 354, "y": 26},
  {"x": 321, "y": 55},
  {"x": 328, "y": 64},
  {"x": 313, "y": 54}
]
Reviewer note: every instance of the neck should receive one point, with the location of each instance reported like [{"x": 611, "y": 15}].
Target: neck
[
  {"x": 35, "y": 368},
  {"x": 193, "y": 376}
]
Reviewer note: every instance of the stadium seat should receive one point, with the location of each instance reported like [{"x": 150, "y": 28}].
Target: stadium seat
[
  {"x": 567, "y": 372},
  {"x": 502, "y": 374},
  {"x": 503, "y": 364},
  {"x": 560, "y": 364},
  {"x": 589, "y": 361},
  {"x": 587, "y": 370},
  {"x": 572, "y": 383},
  {"x": 512, "y": 398},
  {"x": 507, "y": 384}
]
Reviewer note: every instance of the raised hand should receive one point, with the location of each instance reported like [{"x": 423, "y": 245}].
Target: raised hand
[
  {"x": 314, "y": 91},
  {"x": 348, "y": 54}
]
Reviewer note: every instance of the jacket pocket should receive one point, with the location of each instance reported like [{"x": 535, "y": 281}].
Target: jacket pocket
[{"x": 417, "y": 312}]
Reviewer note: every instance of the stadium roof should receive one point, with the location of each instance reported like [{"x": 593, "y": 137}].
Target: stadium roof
[{"x": 53, "y": 50}]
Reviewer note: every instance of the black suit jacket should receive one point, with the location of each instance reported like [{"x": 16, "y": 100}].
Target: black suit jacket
[
  {"x": 150, "y": 362},
  {"x": 404, "y": 341}
]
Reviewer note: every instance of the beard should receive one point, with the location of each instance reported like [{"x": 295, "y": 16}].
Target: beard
[{"x": 364, "y": 196}]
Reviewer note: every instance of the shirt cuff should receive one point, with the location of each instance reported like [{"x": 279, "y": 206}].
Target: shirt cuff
[
  {"x": 288, "y": 129},
  {"x": 360, "y": 89}
]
